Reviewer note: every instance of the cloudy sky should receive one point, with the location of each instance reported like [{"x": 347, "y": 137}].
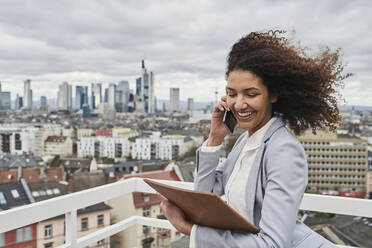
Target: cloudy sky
[{"x": 184, "y": 43}]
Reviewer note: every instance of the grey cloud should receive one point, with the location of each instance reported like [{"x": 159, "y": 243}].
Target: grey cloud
[{"x": 190, "y": 37}]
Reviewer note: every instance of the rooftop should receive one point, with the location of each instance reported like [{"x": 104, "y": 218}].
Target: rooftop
[
  {"x": 46, "y": 190},
  {"x": 56, "y": 139},
  {"x": 13, "y": 194},
  {"x": 14, "y": 161}
]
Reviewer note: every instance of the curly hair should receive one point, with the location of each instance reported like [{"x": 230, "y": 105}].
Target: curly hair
[{"x": 305, "y": 85}]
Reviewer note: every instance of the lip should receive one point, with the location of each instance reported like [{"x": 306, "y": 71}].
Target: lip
[{"x": 245, "y": 118}]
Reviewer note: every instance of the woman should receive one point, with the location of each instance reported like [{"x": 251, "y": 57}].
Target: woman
[{"x": 270, "y": 83}]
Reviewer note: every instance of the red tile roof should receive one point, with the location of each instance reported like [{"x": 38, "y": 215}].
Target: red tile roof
[
  {"x": 107, "y": 133},
  {"x": 138, "y": 198}
]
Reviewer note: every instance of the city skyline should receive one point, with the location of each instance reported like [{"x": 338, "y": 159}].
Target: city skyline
[{"x": 186, "y": 48}]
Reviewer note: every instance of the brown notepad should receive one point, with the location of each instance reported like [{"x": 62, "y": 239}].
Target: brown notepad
[{"x": 204, "y": 208}]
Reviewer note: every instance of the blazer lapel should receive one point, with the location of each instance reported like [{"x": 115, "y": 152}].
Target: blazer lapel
[
  {"x": 251, "y": 186},
  {"x": 252, "y": 182}
]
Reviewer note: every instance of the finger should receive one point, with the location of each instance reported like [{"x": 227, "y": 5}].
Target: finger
[
  {"x": 224, "y": 104},
  {"x": 219, "y": 108},
  {"x": 162, "y": 198},
  {"x": 164, "y": 205}
]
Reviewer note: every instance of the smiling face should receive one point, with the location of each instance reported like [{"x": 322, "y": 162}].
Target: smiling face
[{"x": 248, "y": 98}]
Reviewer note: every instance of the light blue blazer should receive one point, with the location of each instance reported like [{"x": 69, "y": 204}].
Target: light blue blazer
[{"x": 274, "y": 191}]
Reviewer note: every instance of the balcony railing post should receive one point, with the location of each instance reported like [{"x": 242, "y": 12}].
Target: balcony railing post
[{"x": 71, "y": 229}]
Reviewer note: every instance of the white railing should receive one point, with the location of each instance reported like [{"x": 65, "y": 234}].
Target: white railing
[{"x": 69, "y": 204}]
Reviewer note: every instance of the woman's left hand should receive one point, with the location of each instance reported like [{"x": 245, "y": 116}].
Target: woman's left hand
[{"x": 175, "y": 216}]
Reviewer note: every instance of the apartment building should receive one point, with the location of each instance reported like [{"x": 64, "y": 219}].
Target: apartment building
[
  {"x": 166, "y": 147},
  {"x": 147, "y": 205},
  {"x": 101, "y": 146},
  {"x": 58, "y": 145},
  {"x": 123, "y": 132},
  {"x": 369, "y": 176},
  {"x": 27, "y": 138},
  {"x": 51, "y": 232},
  {"x": 17, "y": 141},
  {"x": 337, "y": 163},
  {"x": 84, "y": 132}
]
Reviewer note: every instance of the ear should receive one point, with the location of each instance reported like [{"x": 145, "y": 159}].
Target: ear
[{"x": 274, "y": 98}]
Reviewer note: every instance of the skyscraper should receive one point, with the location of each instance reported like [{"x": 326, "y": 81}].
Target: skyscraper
[
  {"x": 96, "y": 95},
  {"x": 119, "y": 101},
  {"x": 131, "y": 101},
  {"x": 85, "y": 95},
  {"x": 81, "y": 96},
  {"x": 138, "y": 86},
  {"x": 190, "y": 104},
  {"x": 106, "y": 95},
  {"x": 27, "y": 94},
  {"x": 78, "y": 97},
  {"x": 65, "y": 96},
  {"x": 111, "y": 96},
  {"x": 5, "y": 100},
  {"x": 43, "y": 101},
  {"x": 19, "y": 102},
  {"x": 5, "y": 103},
  {"x": 147, "y": 89},
  {"x": 43, "y": 104},
  {"x": 174, "y": 101},
  {"x": 124, "y": 88}
]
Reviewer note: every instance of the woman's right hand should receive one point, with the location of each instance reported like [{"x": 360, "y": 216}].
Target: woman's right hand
[{"x": 218, "y": 130}]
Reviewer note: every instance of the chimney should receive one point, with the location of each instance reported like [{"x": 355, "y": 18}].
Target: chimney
[{"x": 139, "y": 166}]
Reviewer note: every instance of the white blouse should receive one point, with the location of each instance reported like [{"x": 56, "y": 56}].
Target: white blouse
[{"x": 234, "y": 195}]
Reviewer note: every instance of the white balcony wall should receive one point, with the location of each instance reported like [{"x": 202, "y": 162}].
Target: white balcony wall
[{"x": 68, "y": 204}]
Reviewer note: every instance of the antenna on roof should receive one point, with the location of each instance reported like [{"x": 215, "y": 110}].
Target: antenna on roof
[{"x": 216, "y": 93}]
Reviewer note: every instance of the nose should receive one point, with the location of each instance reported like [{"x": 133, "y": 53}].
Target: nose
[{"x": 240, "y": 104}]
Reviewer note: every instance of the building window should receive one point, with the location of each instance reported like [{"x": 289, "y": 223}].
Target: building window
[
  {"x": 48, "y": 231},
  {"x": 146, "y": 230},
  {"x": 2, "y": 239},
  {"x": 84, "y": 223},
  {"x": 100, "y": 242},
  {"x": 48, "y": 245},
  {"x": 24, "y": 234},
  {"x": 100, "y": 220},
  {"x": 2, "y": 198},
  {"x": 146, "y": 211},
  {"x": 15, "y": 193}
]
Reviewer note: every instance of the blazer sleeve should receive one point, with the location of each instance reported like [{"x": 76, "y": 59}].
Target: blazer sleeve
[
  {"x": 286, "y": 172},
  {"x": 209, "y": 174},
  {"x": 208, "y": 177}
]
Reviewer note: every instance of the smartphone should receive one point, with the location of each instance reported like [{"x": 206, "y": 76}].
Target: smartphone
[{"x": 229, "y": 120}]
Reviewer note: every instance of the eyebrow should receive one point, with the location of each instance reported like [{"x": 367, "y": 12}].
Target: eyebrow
[{"x": 251, "y": 88}]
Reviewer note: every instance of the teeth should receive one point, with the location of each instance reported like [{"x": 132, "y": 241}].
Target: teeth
[{"x": 244, "y": 114}]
